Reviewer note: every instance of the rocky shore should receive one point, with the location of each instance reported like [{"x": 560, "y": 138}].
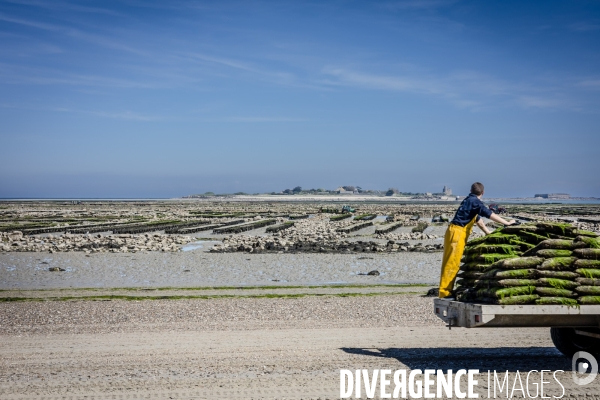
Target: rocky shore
[
  {"x": 123, "y": 243},
  {"x": 251, "y": 244},
  {"x": 319, "y": 235}
]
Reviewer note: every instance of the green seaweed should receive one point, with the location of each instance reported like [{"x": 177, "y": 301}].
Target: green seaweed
[
  {"x": 590, "y": 254},
  {"x": 510, "y": 274},
  {"x": 588, "y": 290},
  {"x": 522, "y": 262},
  {"x": 558, "y": 263},
  {"x": 486, "y": 258},
  {"x": 420, "y": 228},
  {"x": 558, "y": 283},
  {"x": 563, "y": 301},
  {"x": 531, "y": 237},
  {"x": 588, "y": 272},
  {"x": 551, "y": 253},
  {"x": 518, "y": 229},
  {"x": 493, "y": 249},
  {"x": 501, "y": 293},
  {"x": 493, "y": 238},
  {"x": 589, "y": 300},
  {"x": 593, "y": 243},
  {"x": 587, "y": 264},
  {"x": 554, "y": 292},
  {"x": 581, "y": 232},
  {"x": 522, "y": 245},
  {"x": 588, "y": 282},
  {"x": 569, "y": 275},
  {"x": 516, "y": 300},
  {"x": 516, "y": 282},
  {"x": 560, "y": 228},
  {"x": 491, "y": 258},
  {"x": 558, "y": 244}
]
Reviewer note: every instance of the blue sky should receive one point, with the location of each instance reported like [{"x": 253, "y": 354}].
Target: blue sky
[{"x": 163, "y": 99}]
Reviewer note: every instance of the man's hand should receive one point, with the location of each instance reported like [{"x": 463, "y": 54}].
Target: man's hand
[{"x": 496, "y": 218}]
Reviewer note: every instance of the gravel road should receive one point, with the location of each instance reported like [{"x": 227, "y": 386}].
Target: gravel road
[{"x": 242, "y": 348}]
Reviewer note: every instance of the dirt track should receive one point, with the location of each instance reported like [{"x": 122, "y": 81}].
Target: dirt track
[{"x": 272, "y": 354}]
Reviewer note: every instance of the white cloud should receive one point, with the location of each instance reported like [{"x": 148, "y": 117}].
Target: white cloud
[
  {"x": 590, "y": 84},
  {"x": 585, "y": 26},
  {"x": 265, "y": 119},
  {"x": 382, "y": 82},
  {"x": 417, "y": 4},
  {"x": 464, "y": 89},
  {"x": 33, "y": 24},
  {"x": 541, "y": 102},
  {"x": 126, "y": 115},
  {"x": 75, "y": 33},
  {"x": 56, "y": 5}
]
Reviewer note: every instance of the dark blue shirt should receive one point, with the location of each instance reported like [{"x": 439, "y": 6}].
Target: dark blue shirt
[{"x": 469, "y": 208}]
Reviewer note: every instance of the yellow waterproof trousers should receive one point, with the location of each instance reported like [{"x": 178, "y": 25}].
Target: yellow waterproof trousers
[{"x": 454, "y": 245}]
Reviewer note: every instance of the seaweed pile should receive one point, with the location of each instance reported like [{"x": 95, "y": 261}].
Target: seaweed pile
[{"x": 539, "y": 263}]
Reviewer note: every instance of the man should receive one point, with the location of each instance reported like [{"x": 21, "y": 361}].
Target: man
[{"x": 468, "y": 214}]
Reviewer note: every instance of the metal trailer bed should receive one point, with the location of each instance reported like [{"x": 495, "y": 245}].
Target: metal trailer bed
[{"x": 572, "y": 329}]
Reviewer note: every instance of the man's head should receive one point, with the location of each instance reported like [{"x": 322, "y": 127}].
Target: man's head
[{"x": 477, "y": 188}]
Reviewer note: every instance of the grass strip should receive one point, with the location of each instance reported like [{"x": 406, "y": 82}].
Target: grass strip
[
  {"x": 198, "y": 297},
  {"x": 229, "y": 287}
]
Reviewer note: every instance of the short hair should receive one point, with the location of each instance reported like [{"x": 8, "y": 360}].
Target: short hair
[{"x": 477, "y": 188}]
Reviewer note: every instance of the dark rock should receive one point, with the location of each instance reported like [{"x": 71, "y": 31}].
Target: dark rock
[
  {"x": 434, "y": 292},
  {"x": 374, "y": 273}
]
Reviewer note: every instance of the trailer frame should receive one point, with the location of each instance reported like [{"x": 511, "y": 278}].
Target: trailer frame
[
  {"x": 572, "y": 329},
  {"x": 477, "y": 315}
]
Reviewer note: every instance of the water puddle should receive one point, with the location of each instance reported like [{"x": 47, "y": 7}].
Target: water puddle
[{"x": 203, "y": 244}]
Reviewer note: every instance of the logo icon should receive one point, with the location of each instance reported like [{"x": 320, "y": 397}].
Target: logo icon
[{"x": 584, "y": 363}]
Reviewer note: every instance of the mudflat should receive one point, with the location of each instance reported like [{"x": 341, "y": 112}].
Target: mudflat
[{"x": 30, "y": 270}]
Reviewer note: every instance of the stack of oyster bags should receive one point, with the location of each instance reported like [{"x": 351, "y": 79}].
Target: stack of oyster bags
[{"x": 536, "y": 263}]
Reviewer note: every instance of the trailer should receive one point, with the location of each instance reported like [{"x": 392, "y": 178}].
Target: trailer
[{"x": 572, "y": 329}]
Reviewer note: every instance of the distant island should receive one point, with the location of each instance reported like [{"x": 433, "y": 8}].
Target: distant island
[
  {"x": 349, "y": 191},
  {"x": 358, "y": 193}
]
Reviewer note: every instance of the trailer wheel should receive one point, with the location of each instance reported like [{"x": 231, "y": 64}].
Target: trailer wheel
[{"x": 569, "y": 343}]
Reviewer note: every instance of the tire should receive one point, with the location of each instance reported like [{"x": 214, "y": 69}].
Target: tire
[{"x": 569, "y": 343}]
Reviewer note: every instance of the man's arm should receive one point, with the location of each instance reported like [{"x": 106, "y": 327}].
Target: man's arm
[
  {"x": 482, "y": 226},
  {"x": 495, "y": 218}
]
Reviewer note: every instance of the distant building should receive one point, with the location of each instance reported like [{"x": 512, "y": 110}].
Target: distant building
[
  {"x": 447, "y": 191},
  {"x": 341, "y": 190},
  {"x": 428, "y": 194},
  {"x": 553, "y": 196}
]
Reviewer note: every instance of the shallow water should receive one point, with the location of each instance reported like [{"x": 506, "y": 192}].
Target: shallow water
[
  {"x": 196, "y": 267},
  {"x": 202, "y": 244}
]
